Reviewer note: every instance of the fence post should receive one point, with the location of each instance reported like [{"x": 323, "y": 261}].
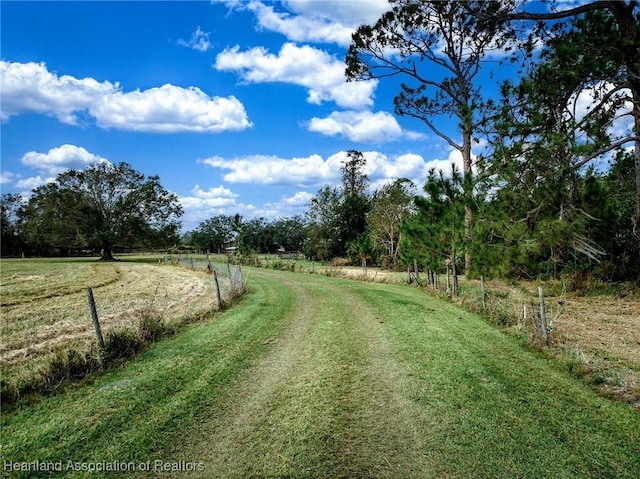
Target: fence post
[
  {"x": 484, "y": 293},
  {"x": 218, "y": 296},
  {"x": 455, "y": 279},
  {"x": 543, "y": 315},
  {"x": 416, "y": 270},
  {"x": 448, "y": 280},
  {"x": 94, "y": 317}
]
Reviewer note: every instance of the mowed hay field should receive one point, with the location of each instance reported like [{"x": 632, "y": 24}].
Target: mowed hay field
[{"x": 44, "y": 306}]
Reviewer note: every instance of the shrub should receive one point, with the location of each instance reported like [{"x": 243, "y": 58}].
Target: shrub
[
  {"x": 151, "y": 328},
  {"x": 121, "y": 343}
]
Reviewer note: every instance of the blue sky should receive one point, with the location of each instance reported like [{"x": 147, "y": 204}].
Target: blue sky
[{"x": 238, "y": 106}]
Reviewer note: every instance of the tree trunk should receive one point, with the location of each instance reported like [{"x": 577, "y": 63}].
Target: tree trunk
[
  {"x": 107, "y": 254},
  {"x": 636, "y": 129},
  {"x": 469, "y": 215}
]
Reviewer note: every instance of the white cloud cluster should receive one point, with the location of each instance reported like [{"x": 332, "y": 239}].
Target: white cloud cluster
[
  {"x": 270, "y": 170},
  {"x": 59, "y": 159},
  {"x": 199, "y": 41},
  {"x": 48, "y": 165},
  {"x": 329, "y": 21},
  {"x": 204, "y": 204},
  {"x": 31, "y": 88},
  {"x": 362, "y": 126},
  {"x": 306, "y": 173},
  {"x": 7, "y": 177},
  {"x": 314, "y": 171},
  {"x": 210, "y": 200},
  {"x": 321, "y": 73}
]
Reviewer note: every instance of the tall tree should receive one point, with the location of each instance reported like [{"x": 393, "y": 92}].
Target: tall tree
[
  {"x": 390, "y": 205},
  {"x": 433, "y": 233},
  {"x": 103, "y": 205},
  {"x": 598, "y": 53},
  {"x": 11, "y": 241},
  {"x": 352, "y": 215},
  {"x": 214, "y": 234},
  {"x": 324, "y": 219},
  {"x": 438, "y": 48},
  {"x": 337, "y": 216}
]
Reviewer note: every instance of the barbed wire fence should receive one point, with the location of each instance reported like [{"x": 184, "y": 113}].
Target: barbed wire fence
[{"x": 229, "y": 279}]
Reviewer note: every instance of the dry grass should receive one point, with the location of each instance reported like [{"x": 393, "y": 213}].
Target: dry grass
[
  {"x": 597, "y": 334},
  {"x": 44, "y": 306},
  {"x": 604, "y": 331}
]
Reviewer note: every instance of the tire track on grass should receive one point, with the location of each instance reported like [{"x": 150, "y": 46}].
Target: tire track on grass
[{"x": 326, "y": 402}]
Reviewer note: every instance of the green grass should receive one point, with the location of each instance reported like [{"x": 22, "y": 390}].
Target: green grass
[{"x": 314, "y": 377}]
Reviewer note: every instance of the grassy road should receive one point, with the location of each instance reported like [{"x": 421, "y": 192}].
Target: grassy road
[{"x": 314, "y": 377}]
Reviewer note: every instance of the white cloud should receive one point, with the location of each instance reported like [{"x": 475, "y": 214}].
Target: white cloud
[
  {"x": 329, "y": 21},
  {"x": 59, "y": 159},
  {"x": 322, "y": 74},
  {"x": 287, "y": 206},
  {"x": 214, "y": 198},
  {"x": 362, "y": 126},
  {"x": 199, "y": 41},
  {"x": 203, "y": 204},
  {"x": 33, "y": 182},
  {"x": 170, "y": 109},
  {"x": 31, "y": 88},
  {"x": 314, "y": 171},
  {"x": 7, "y": 177},
  {"x": 270, "y": 170},
  {"x": 300, "y": 198}
]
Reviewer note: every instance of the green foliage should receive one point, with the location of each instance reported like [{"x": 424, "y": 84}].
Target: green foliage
[
  {"x": 434, "y": 233},
  {"x": 390, "y": 205},
  {"x": 360, "y": 250},
  {"x": 100, "y": 207},
  {"x": 336, "y": 217},
  {"x": 10, "y": 241}
]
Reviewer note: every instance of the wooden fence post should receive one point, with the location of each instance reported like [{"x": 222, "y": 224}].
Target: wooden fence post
[
  {"x": 543, "y": 315},
  {"x": 455, "y": 279},
  {"x": 218, "y": 295},
  {"x": 94, "y": 317},
  {"x": 448, "y": 279},
  {"x": 484, "y": 293}
]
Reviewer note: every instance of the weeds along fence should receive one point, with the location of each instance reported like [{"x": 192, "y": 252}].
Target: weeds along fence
[{"x": 526, "y": 308}]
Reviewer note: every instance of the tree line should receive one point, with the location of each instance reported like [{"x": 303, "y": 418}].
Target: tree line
[{"x": 538, "y": 200}]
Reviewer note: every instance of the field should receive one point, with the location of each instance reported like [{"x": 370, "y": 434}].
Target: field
[
  {"x": 311, "y": 377},
  {"x": 45, "y": 308}
]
